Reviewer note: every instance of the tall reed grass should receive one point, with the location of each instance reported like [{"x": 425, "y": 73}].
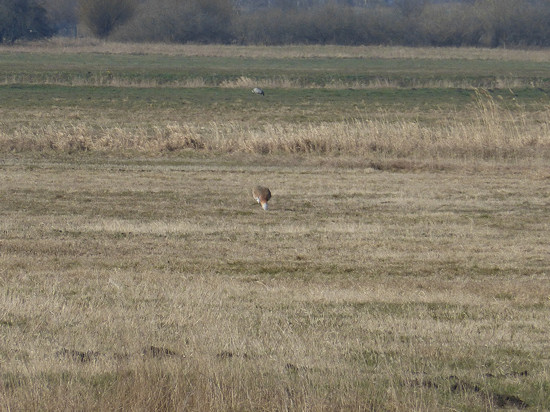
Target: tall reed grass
[{"x": 486, "y": 131}]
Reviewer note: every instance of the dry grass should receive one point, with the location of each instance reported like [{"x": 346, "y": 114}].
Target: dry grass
[
  {"x": 403, "y": 264},
  {"x": 89, "y": 45},
  {"x": 278, "y": 83},
  {"x": 162, "y": 285},
  {"x": 485, "y": 130}
]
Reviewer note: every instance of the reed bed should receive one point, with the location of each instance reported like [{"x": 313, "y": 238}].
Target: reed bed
[{"x": 486, "y": 131}]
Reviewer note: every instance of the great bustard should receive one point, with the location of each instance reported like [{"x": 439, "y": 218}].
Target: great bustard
[
  {"x": 261, "y": 195},
  {"x": 257, "y": 90}
]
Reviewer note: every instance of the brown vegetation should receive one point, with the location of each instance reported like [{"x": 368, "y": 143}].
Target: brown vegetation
[
  {"x": 484, "y": 23},
  {"x": 147, "y": 285},
  {"x": 403, "y": 264},
  {"x": 60, "y": 45},
  {"x": 101, "y": 16},
  {"x": 484, "y": 131},
  {"x": 481, "y": 23}
]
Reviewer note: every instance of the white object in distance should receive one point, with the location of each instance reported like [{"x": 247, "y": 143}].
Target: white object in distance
[{"x": 257, "y": 90}]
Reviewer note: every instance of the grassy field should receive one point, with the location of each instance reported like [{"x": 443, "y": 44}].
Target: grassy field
[
  {"x": 403, "y": 264},
  {"x": 89, "y": 63}
]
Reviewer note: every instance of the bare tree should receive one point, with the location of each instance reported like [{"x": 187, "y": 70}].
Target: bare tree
[
  {"x": 102, "y": 16},
  {"x": 179, "y": 21},
  {"x": 63, "y": 15}
]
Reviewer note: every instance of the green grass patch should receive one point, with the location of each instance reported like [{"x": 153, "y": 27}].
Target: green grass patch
[{"x": 144, "y": 69}]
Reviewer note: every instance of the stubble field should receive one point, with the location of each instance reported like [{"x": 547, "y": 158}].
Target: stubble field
[{"x": 403, "y": 264}]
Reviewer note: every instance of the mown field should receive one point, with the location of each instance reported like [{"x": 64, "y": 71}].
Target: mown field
[{"x": 403, "y": 264}]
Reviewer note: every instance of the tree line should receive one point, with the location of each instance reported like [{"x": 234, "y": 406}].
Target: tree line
[{"x": 485, "y": 23}]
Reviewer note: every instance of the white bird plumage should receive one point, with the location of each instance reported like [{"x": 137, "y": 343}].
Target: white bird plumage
[{"x": 257, "y": 90}]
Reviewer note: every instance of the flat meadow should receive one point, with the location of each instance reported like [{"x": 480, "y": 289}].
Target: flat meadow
[{"x": 403, "y": 263}]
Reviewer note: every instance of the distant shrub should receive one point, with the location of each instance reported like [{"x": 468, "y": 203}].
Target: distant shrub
[
  {"x": 23, "y": 19},
  {"x": 102, "y": 16},
  {"x": 63, "y": 15},
  {"x": 327, "y": 24},
  {"x": 487, "y": 23},
  {"x": 450, "y": 25},
  {"x": 200, "y": 21}
]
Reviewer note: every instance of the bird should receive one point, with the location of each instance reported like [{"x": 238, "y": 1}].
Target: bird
[
  {"x": 257, "y": 90},
  {"x": 262, "y": 195}
]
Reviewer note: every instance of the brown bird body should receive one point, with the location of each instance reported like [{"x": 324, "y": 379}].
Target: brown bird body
[{"x": 262, "y": 195}]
